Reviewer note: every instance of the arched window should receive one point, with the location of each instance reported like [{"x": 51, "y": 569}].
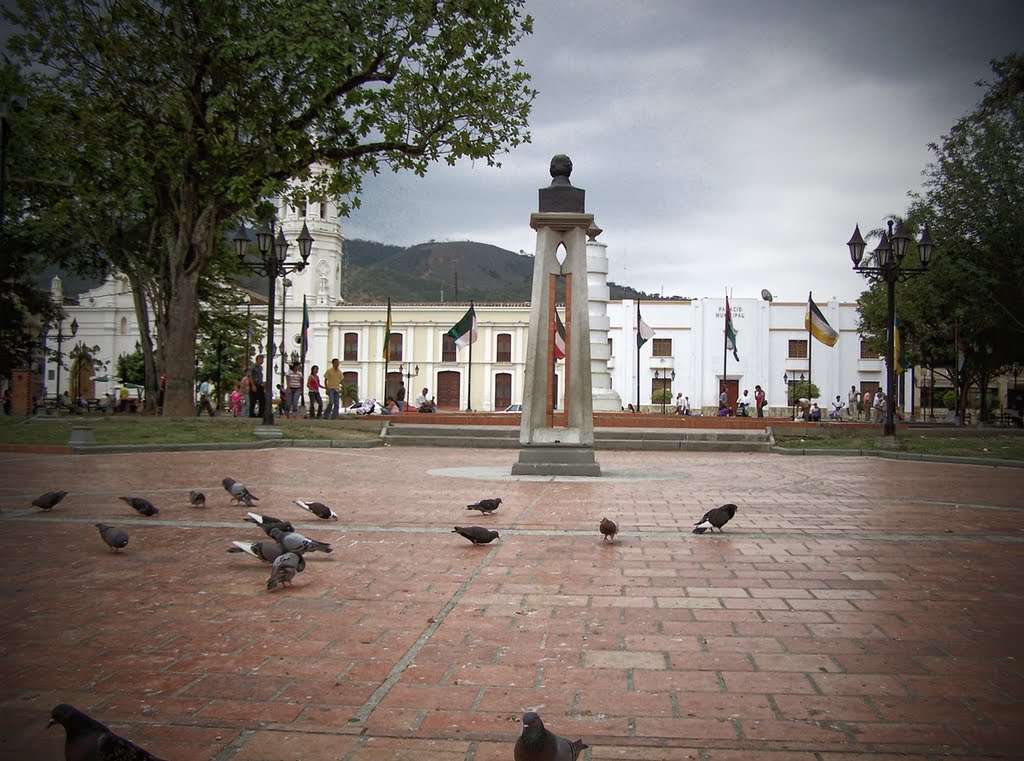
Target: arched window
[
  {"x": 124, "y": 326},
  {"x": 502, "y": 390},
  {"x": 351, "y": 347},
  {"x": 504, "y": 348},
  {"x": 395, "y": 348},
  {"x": 323, "y": 209},
  {"x": 449, "y": 352}
]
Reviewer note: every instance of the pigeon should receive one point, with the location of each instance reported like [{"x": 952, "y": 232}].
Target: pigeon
[
  {"x": 285, "y": 568},
  {"x": 537, "y": 743},
  {"x": 88, "y": 740},
  {"x": 476, "y": 534},
  {"x": 197, "y": 499},
  {"x": 293, "y": 542},
  {"x": 715, "y": 518},
  {"x": 319, "y": 509},
  {"x": 115, "y": 538},
  {"x": 266, "y": 551},
  {"x": 267, "y": 522},
  {"x": 49, "y": 500},
  {"x": 485, "y": 506},
  {"x": 239, "y": 493},
  {"x": 609, "y": 529},
  {"x": 144, "y": 506}
]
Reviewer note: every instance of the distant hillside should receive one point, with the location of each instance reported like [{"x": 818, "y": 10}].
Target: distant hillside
[{"x": 454, "y": 271}]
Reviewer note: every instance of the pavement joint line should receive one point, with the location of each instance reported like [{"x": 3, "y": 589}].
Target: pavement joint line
[
  {"x": 235, "y": 745},
  {"x": 403, "y": 663},
  {"x": 533, "y": 502}
]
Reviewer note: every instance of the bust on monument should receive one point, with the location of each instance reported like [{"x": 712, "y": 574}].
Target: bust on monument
[{"x": 561, "y": 196}]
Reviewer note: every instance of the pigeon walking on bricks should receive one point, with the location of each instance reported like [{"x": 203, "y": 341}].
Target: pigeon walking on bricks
[
  {"x": 88, "y": 740},
  {"x": 715, "y": 518},
  {"x": 197, "y": 499},
  {"x": 144, "y": 506},
  {"x": 239, "y": 493},
  {"x": 609, "y": 529},
  {"x": 485, "y": 506},
  {"x": 267, "y": 522},
  {"x": 537, "y": 743},
  {"x": 293, "y": 542},
  {"x": 115, "y": 538},
  {"x": 319, "y": 509},
  {"x": 49, "y": 500},
  {"x": 266, "y": 551},
  {"x": 476, "y": 534},
  {"x": 285, "y": 568}
]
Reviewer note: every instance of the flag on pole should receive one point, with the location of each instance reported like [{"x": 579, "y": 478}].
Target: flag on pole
[
  {"x": 816, "y": 323},
  {"x": 730, "y": 331},
  {"x": 305, "y": 325},
  {"x": 559, "y": 337},
  {"x": 644, "y": 332},
  {"x": 464, "y": 331},
  {"x": 897, "y": 345},
  {"x": 387, "y": 335}
]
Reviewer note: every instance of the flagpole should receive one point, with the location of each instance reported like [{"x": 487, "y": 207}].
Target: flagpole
[
  {"x": 725, "y": 346},
  {"x": 810, "y": 322},
  {"x": 638, "y": 355},
  {"x": 387, "y": 352},
  {"x": 469, "y": 372}
]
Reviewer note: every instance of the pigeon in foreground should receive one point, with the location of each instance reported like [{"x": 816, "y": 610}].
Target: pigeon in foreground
[
  {"x": 319, "y": 509},
  {"x": 266, "y": 551},
  {"x": 88, "y": 740},
  {"x": 239, "y": 493},
  {"x": 476, "y": 534},
  {"x": 267, "y": 522},
  {"x": 293, "y": 542},
  {"x": 715, "y": 518},
  {"x": 609, "y": 529},
  {"x": 285, "y": 568},
  {"x": 537, "y": 743},
  {"x": 197, "y": 499},
  {"x": 49, "y": 500},
  {"x": 115, "y": 538},
  {"x": 485, "y": 506},
  {"x": 144, "y": 506}
]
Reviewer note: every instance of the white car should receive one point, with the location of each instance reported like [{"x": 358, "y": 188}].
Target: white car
[{"x": 513, "y": 408}]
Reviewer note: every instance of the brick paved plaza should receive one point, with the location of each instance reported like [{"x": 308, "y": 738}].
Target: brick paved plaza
[{"x": 854, "y": 608}]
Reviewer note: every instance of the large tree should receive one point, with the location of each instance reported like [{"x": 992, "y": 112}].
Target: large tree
[{"x": 199, "y": 110}]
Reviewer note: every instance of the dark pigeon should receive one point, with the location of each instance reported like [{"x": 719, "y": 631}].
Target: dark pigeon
[
  {"x": 49, "y": 500},
  {"x": 485, "y": 506},
  {"x": 609, "y": 529},
  {"x": 88, "y": 740},
  {"x": 239, "y": 493},
  {"x": 537, "y": 743},
  {"x": 715, "y": 518},
  {"x": 293, "y": 542},
  {"x": 319, "y": 509},
  {"x": 197, "y": 499},
  {"x": 476, "y": 534},
  {"x": 285, "y": 568},
  {"x": 267, "y": 522},
  {"x": 266, "y": 551},
  {"x": 115, "y": 538},
  {"x": 144, "y": 506}
]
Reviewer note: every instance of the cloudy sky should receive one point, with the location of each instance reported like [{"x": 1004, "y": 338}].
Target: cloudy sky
[{"x": 722, "y": 143}]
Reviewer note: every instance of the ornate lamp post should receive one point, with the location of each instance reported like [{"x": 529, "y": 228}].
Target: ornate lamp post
[
  {"x": 60, "y": 346},
  {"x": 273, "y": 252},
  {"x": 887, "y": 267},
  {"x": 286, "y": 284},
  {"x": 409, "y": 375}
]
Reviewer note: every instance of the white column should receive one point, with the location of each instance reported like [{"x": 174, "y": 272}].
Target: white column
[{"x": 605, "y": 397}]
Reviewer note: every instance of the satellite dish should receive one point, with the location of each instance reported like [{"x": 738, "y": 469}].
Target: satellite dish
[{"x": 766, "y": 295}]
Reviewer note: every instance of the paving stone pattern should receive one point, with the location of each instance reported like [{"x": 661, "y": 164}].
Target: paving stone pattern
[{"x": 855, "y": 608}]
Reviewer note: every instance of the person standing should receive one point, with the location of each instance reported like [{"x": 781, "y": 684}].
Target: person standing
[
  {"x": 204, "y": 398},
  {"x": 866, "y": 404},
  {"x": 236, "y": 401},
  {"x": 313, "y": 386},
  {"x": 257, "y": 392},
  {"x": 245, "y": 389},
  {"x": 332, "y": 382},
  {"x": 679, "y": 403},
  {"x": 853, "y": 403},
  {"x": 400, "y": 396},
  {"x": 759, "y": 400},
  {"x": 293, "y": 388},
  {"x": 879, "y": 406}
]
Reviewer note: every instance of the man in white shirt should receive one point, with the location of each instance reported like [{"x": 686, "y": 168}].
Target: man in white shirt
[
  {"x": 837, "y": 409},
  {"x": 743, "y": 404}
]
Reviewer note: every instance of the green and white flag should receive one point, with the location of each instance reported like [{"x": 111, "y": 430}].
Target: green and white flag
[{"x": 464, "y": 331}]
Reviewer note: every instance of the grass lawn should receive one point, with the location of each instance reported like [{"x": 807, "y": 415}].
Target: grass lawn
[
  {"x": 144, "y": 429},
  {"x": 970, "y": 443}
]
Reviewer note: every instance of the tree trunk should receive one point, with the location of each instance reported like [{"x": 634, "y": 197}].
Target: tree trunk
[
  {"x": 152, "y": 380},
  {"x": 178, "y": 337}
]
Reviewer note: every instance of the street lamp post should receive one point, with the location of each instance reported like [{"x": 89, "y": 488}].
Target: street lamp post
[
  {"x": 887, "y": 267},
  {"x": 273, "y": 252},
  {"x": 409, "y": 375},
  {"x": 286, "y": 284},
  {"x": 60, "y": 347}
]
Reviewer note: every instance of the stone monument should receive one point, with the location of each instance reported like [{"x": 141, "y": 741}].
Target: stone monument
[{"x": 561, "y": 224}]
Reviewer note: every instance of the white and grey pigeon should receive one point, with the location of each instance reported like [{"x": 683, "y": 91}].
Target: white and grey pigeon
[
  {"x": 239, "y": 493},
  {"x": 485, "y": 506},
  {"x": 267, "y": 522},
  {"x": 88, "y": 740},
  {"x": 293, "y": 542},
  {"x": 319, "y": 509},
  {"x": 197, "y": 498},
  {"x": 115, "y": 538},
  {"x": 267, "y": 551},
  {"x": 284, "y": 569},
  {"x": 537, "y": 743},
  {"x": 715, "y": 518},
  {"x": 142, "y": 505},
  {"x": 49, "y": 500}
]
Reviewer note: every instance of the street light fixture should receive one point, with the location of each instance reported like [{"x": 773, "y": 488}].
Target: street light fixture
[
  {"x": 887, "y": 267},
  {"x": 60, "y": 346},
  {"x": 410, "y": 373},
  {"x": 286, "y": 284},
  {"x": 273, "y": 252}
]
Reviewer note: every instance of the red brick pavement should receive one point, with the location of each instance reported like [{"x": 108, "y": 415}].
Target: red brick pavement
[{"x": 854, "y": 608}]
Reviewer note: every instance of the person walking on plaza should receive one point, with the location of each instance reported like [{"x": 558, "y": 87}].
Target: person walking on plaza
[
  {"x": 853, "y": 403},
  {"x": 759, "y": 400},
  {"x": 204, "y": 398},
  {"x": 332, "y": 382},
  {"x": 257, "y": 393},
  {"x": 293, "y": 389},
  {"x": 400, "y": 396},
  {"x": 313, "y": 386}
]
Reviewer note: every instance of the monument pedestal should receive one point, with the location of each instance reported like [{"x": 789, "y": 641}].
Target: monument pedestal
[{"x": 556, "y": 460}]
